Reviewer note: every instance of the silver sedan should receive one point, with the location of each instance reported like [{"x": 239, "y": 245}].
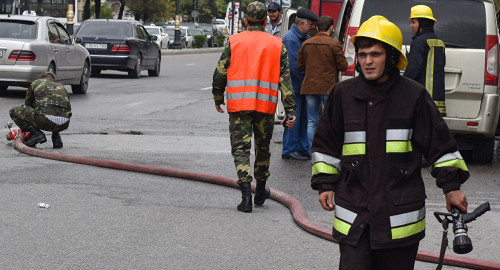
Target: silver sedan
[{"x": 30, "y": 45}]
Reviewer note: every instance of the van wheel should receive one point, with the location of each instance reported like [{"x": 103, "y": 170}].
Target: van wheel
[{"x": 483, "y": 150}]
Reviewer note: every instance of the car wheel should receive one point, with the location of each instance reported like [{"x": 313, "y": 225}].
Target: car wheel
[
  {"x": 81, "y": 88},
  {"x": 136, "y": 72},
  {"x": 156, "y": 72},
  {"x": 95, "y": 72}
]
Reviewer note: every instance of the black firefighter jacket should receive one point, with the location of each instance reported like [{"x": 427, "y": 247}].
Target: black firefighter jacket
[
  {"x": 426, "y": 61},
  {"x": 368, "y": 149}
]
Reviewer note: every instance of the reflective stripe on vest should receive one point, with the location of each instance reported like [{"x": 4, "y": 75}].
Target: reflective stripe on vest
[
  {"x": 354, "y": 143},
  {"x": 451, "y": 160},
  {"x": 398, "y": 140},
  {"x": 254, "y": 72},
  {"x": 407, "y": 224},
  {"x": 429, "y": 72},
  {"x": 324, "y": 164},
  {"x": 343, "y": 219}
]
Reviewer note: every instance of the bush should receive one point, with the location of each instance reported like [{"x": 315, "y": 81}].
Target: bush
[
  {"x": 220, "y": 40},
  {"x": 199, "y": 41}
]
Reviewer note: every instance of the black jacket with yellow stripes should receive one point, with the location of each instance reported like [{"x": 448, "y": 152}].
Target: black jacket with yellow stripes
[{"x": 368, "y": 149}]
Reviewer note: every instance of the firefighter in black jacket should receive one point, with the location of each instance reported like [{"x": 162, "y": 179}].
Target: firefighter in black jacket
[
  {"x": 427, "y": 58},
  {"x": 367, "y": 151}
]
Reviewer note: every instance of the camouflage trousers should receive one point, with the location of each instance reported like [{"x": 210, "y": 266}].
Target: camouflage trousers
[
  {"x": 241, "y": 127},
  {"x": 25, "y": 116}
]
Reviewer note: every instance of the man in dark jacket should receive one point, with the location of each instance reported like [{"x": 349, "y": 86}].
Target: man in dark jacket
[
  {"x": 367, "y": 151},
  {"x": 47, "y": 107},
  {"x": 427, "y": 59}
]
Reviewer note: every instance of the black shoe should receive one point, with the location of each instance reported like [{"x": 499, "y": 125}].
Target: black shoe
[
  {"x": 36, "y": 136},
  {"x": 246, "y": 198},
  {"x": 56, "y": 140},
  {"x": 294, "y": 156},
  {"x": 308, "y": 156},
  {"x": 261, "y": 193}
]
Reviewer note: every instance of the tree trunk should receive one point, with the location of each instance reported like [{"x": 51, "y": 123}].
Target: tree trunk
[
  {"x": 97, "y": 9},
  {"x": 86, "y": 10},
  {"x": 122, "y": 8}
]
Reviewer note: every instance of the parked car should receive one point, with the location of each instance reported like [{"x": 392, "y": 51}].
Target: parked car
[
  {"x": 221, "y": 25},
  {"x": 210, "y": 32},
  {"x": 122, "y": 45},
  {"x": 199, "y": 32},
  {"x": 30, "y": 45},
  {"x": 171, "y": 38},
  {"x": 161, "y": 35},
  {"x": 186, "y": 32}
]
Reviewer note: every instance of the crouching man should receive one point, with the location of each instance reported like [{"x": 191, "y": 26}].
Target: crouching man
[{"x": 46, "y": 107}]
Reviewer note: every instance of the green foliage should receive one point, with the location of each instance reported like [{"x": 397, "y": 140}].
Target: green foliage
[
  {"x": 199, "y": 41},
  {"x": 106, "y": 13},
  {"x": 220, "y": 40}
]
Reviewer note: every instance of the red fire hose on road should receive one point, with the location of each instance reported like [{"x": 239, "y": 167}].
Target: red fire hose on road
[{"x": 298, "y": 212}]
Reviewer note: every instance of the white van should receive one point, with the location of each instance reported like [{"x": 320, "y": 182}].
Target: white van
[{"x": 470, "y": 33}]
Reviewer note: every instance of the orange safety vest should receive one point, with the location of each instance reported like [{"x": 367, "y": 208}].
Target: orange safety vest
[{"x": 254, "y": 73}]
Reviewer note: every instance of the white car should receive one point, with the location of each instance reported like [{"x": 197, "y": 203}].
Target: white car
[
  {"x": 221, "y": 25},
  {"x": 159, "y": 32},
  {"x": 185, "y": 32}
]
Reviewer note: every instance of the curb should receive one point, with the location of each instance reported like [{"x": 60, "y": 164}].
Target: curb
[{"x": 191, "y": 51}]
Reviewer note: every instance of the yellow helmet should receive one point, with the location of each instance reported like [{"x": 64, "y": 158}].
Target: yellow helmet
[
  {"x": 421, "y": 11},
  {"x": 379, "y": 28}
]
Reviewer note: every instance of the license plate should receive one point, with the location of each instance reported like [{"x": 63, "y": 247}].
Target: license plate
[{"x": 96, "y": 46}]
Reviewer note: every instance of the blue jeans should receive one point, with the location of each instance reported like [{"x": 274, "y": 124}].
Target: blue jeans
[
  {"x": 295, "y": 140},
  {"x": 313, "y": 103}
]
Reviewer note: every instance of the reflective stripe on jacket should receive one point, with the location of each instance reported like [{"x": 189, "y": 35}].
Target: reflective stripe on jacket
[
  {"x": 426, "y": 62},
  {"x": 253, "y": 78},
  {"x": 368, "y": 149}
]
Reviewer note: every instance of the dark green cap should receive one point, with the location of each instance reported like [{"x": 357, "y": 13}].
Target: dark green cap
[{"x": 256, "y": 12}]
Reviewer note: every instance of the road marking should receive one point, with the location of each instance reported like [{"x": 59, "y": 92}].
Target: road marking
[
  {"x": 190, "y": 64},
  {"x": 206, "y": 88}
]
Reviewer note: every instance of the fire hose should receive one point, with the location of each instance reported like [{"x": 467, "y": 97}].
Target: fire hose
[{"x": 298, "y": 213}]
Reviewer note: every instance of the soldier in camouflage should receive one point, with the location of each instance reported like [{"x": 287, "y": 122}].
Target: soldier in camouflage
[
  {"x": 46, "y": 107},
  {"x": 240, "y": 54}
]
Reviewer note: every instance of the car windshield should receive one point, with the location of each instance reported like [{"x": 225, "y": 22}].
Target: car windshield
[
  {"x": 467, "y": 17},
  {"x": 153, "y": 31},
  {"x": 220, "y": 22},
  {"x": 196, "y": 32},
  {"x": 115, "y": 29},
  {"x": 207, "y": 28},
  {"x": 18, "y": 29}
]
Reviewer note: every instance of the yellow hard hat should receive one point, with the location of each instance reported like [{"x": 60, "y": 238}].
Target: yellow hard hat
[
  {"x": 421, "y": 11},
  {"x": 379, "y": 28}
]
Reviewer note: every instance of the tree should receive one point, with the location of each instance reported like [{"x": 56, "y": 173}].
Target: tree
[
  {"x": 97, "y": 9},
  {"x": 86, "y": 10}
]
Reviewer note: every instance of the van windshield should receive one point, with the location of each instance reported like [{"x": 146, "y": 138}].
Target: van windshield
[{"x": 460, "y": 24}]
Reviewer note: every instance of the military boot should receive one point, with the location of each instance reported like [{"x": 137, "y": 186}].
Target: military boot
[
  {"x": 246, "y": 196},
  {"x": 261, "y": 193},
  {"x": 36, "y": 136},
  {"x": 56, "y": 140}
]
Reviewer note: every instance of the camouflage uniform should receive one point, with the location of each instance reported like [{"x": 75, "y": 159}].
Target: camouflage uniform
[
  {"x": 243, "y": 123},
  {"x": 46, "y": 107}
]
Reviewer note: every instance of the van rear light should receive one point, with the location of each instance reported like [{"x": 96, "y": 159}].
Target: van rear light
[
  {"x": 21, "y": 55},
  {"x": 350, "y": 52},
  {"x": 491, "y": 69},
  {"x": 120, "y": 47},
  {"x": 472, "y": 124}
]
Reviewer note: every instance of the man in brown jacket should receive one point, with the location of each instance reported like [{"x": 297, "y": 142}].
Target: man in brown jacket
[{"x": 321, "y": 57}]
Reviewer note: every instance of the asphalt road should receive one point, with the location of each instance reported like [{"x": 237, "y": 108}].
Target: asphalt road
[{"x": 108, "y": 219}]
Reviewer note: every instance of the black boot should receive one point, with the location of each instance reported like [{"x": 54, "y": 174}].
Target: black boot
[
  {"x": 56, "y": 140},
  {"x": 246, "y": 196},
  {"x": 36, "y": 136},
  {"x": 261, "y": 193}
]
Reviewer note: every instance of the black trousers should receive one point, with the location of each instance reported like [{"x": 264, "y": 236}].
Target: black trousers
[{"x": 363, "y": 257}]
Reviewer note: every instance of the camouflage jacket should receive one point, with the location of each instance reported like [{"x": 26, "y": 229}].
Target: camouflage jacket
[
  {"x": 48, "y": 97},
  {"x": 220, "y": 77}
]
